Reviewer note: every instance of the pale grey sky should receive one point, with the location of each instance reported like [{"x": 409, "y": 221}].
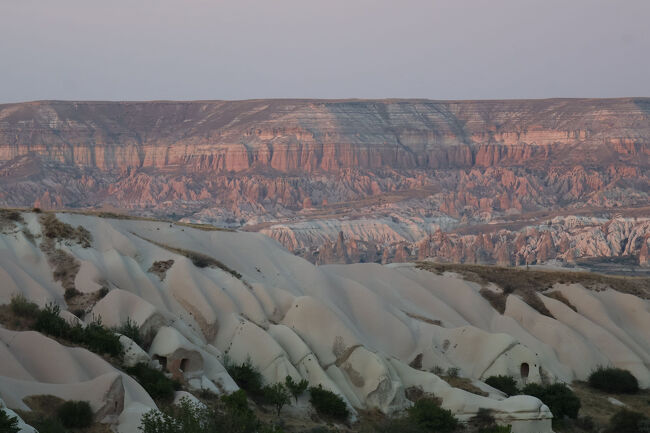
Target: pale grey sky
[{"x": 240, "y": 49}]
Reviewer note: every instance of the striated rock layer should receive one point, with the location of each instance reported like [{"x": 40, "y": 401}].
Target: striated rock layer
[{"x": 264, "y": 162}]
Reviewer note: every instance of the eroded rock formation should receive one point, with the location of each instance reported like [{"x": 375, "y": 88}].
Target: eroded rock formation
[{"x": 261, "y": 162}]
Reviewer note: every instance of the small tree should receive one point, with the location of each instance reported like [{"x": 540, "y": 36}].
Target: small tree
[
  {"x": 430, "y": 416},
  {"x": 8, "y": 424},
  {"x": 277, "y": 395},
  {"x": 246, "y": 376},
  {"x": 328, "y": 404},
  {"x": 296, "y": 388},
  {"x": 49, "y": 321}
]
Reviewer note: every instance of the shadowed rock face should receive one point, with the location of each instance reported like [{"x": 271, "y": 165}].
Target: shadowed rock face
[{"x": 265, "y": 161}]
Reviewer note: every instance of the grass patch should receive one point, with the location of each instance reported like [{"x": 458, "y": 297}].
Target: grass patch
[
  {"x": 75, "y": 414},
  {"x": 21, "y": 306},
  {"x": 597, "y": 407},
  {"x": 465, "y": 384}
]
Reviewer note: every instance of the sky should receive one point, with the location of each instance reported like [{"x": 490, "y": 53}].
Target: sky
[{"x": 244, "y": 49}]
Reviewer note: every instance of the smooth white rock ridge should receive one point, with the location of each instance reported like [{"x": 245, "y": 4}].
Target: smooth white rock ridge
[{"x": 367, "y": 332}]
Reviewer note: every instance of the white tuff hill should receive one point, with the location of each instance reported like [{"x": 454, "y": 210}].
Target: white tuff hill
[{"x": 367, "y": 332}]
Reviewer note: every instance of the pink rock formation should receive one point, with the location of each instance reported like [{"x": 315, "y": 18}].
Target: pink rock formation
[{"x": 270, "y": 160}]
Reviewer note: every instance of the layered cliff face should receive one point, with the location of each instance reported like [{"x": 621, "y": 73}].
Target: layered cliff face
[
  {"x": 262, "y": 163},
  {"x": 308, "y": 136}
]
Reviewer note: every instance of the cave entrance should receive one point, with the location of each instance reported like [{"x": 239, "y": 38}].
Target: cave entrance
[
  {"x": 524, "y": 370},
  {"x": 183, "y": 364}
]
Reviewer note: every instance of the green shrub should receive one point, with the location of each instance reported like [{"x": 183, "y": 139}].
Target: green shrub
[
  {"x": 246, "y": 376},
  {"x": 559, "y": 398},
  {"x": 8, "y": 424},
  {"x": 21, "y": 306},
  {"x": 158, "y": 385},
  {"x": 534, "y": 389},
  {"x": 49, "y": 425},
  {"x": 95, "y": 336},
  {"x": 429, "y": 415},
  {"x": 614, "y": 380},
  {"x": 505, "y": 384},
  {"x": 328, "y": 404},
  {"x": 186, "y": 417},
  {"x": 237, "y": 401},
  {"x": 75, "y": 414},
  {"x": 100, "y": 339},
  {"x": 48, "y": 321},
  {"x": 131, "y": 330},
  {"x": 627, "y": 421},
  {"x": 237, "y": 417},
  {"x": 296, "y": 388},
  {"x": 276, "y": 395}
]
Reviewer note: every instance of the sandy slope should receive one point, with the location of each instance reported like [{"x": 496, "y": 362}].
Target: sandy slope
[{"x": 352, "y": 328}]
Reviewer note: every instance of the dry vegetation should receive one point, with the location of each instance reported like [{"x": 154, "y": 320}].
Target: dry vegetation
[
  {"x": 528, "y": 282},
  {"x": 595, "y": 404},
  {"x": 205, "y": 227},
  {"x": 557, "y": 295},
  {"x": 160, "y": 268},
  {"x": 60, "y": 231},
  {"x": 121, "y": 216},
  {"x": 465, "y": 384},
  {"x": 199, "y": 260},
  {"x": 44, "y": 409},
  {"x": 9, "y": 218}
]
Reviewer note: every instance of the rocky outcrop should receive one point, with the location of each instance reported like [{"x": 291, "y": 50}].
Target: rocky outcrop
[
  {"x": 268, "y": 162},
  {"x": 620, "y": 241}
]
